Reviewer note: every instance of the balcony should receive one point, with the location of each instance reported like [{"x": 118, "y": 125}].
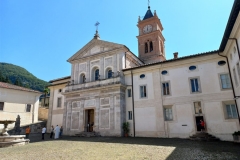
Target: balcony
[{"x": 94, "y": 84}]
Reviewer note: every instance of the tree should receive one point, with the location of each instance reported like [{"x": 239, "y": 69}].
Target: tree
[
  {"x": 1, "y": 77},
  {"x": 18, "y": 82},
  {"x": 46, "y": 92},
  {"x": 7, "y": 80}
]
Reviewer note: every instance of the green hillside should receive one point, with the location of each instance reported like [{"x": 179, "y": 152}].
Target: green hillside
[{"x": 19, "y": 76}]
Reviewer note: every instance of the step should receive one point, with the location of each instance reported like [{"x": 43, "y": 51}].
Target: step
[
  {"x": 203, "y": 137},
  {"x": 88, "y": 134}
]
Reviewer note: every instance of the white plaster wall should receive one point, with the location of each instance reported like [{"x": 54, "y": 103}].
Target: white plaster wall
[
  {"x": 145, "y": 121},
  {"x": 229, "y": 50},
  {"x": 57, "y": 95},
  {"x": 15, "y": 102},
  {"x": 181, "y": 99},
  {"x": 216, "y": 123},
  {"x": 57, "y": 119},
  {"x": 148, "y": 81}
]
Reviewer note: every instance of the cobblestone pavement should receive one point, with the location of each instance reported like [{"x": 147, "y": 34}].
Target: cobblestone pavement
[{"x": 121, "y": 148}]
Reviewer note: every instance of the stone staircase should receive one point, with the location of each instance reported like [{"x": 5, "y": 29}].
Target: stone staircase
[
  {"x": 88, "y": 134},
  {"x": 203, "y": 136},
  {"x": 10, "y": 141}
]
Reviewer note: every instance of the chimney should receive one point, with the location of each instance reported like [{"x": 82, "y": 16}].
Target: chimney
[{"x": 175, "y": 55}]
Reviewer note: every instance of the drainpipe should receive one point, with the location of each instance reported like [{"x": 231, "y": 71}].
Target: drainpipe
[
  {"x": 133, "y": 106},
  {"x": 232, "y": 85}
]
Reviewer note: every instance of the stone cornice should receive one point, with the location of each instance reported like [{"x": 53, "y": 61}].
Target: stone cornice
[
  {"x": 95, "y": 89},
  {"x": 174, "y": 64},
  {"x": 90, "y": 45},
  {"x": 99, "y": 55}
]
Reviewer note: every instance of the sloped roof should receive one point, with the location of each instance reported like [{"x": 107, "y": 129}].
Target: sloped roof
[
  {"x": 91, "y": 43},
  {"x": 59, "y": 79},
  {"x": 171, "y": 60},
  {"x": 148, "y": 14},
  {"x": 231, "y": 21},
  {"x": 11, "y": 86}
]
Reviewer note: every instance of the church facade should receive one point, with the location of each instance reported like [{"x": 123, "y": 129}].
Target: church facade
[{"x": 109, "y": 85}]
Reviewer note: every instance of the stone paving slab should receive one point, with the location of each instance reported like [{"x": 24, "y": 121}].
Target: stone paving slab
[{"x": 121, "y": 148}]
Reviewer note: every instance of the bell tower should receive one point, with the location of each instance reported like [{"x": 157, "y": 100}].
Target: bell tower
[{"x": 150, "y": 39}]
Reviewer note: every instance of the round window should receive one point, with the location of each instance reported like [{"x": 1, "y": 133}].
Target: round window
[
  {"x": 164, "y": 72},
  {"x": 191, "y": 68},
  {"x": 142, "y": 75},
  {"x": 221, "y": 63}
]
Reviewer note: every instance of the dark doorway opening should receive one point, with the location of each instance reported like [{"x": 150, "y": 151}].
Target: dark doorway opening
[
  {"x": 89, "y": 120},
  {"x": 198, "y": 124}
]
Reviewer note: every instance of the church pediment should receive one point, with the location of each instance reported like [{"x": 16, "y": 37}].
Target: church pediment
[{"x": 94, "y": 47}]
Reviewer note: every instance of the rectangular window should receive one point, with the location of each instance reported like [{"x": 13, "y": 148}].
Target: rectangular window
[
  {"x": 168, "y": 114},
  {"x": 59, "y": 102},
  {"x": 231, "y": 111},
  {"x": 238, "y": 70},
  {"x": 235, "y": 77},
  {"x": 1, "y": 106},
  {"x": 195, "y": 85},
  {"x": 165, "y": 88},
  {"x": 143, "y": 91},
  {"x": 129, "y": 93},
  {"x": 129, "y": 115},
  {"x": 28, "y": 109},
  {"x": 197, "y": 107},
  {"x": 225, "y": 81}
]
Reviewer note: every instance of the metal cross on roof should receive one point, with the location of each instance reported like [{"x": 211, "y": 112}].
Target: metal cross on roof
[
  {"x": 96, "y": 24},
  {"x": 148, "y": 2}
]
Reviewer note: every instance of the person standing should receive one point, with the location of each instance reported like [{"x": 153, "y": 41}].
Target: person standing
[
  {"x": 52, "y": 131},
  {"x": 61, "y": 131},
  {"x": 43, "y": 132},
  {"x": 57, "y": 130},
  {"x": 28, "y": 130},
  {"x": 202, "y": 125}
]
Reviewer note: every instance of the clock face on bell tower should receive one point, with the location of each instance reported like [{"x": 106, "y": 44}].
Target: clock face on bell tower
[{"x": 150, "y": 39}]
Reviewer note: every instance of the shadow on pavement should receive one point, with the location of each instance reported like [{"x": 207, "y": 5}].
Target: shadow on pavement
[{"x": 179, "y": 144}]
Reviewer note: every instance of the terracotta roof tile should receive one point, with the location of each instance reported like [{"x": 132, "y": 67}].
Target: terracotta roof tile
[
  {"x": 11, "y": 86},
  {"x": 171, "y": 60}
]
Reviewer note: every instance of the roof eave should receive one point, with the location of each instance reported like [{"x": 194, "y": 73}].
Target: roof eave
[{"x": 231, "y": 21}]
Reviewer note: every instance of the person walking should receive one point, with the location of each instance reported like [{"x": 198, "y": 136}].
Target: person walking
[
  {"x": 57, "y": 130},
  {"x": 28, "y": 130},
  {"x": 43, "y": 132},
  {"x": 202, "y": 125},
  {"x": 52, "y": 132},
  {"x": 61, "y": 131}
]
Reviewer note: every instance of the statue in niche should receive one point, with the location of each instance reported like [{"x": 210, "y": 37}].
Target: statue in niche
[{"x": 17, "y": 128}]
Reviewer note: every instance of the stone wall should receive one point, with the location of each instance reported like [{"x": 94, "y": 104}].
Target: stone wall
[
  {"x": 35, "y": 128},
  {"x": 42, "y": 113}
]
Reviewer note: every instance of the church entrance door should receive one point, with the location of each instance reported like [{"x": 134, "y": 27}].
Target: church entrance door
[{"x": 89, "y": 120}]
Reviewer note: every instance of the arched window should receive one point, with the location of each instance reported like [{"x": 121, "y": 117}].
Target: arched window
[
  {"x": 162, "y": 47},
  {"x": 82, "y": 78},
  {"x": 151, "y": 46},
  {"x": 146, "y": 47},
  {"x": 109, "y": 74},
  {"x": 96, "y": 75}
]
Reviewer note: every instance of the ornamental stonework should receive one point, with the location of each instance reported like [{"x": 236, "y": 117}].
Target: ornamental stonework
[
  {"x": 95, "y": 63},
  {"x": 82, "y": 67},
  {"x": 108, "y": 61},
  {"x": 105, "y": 101}
]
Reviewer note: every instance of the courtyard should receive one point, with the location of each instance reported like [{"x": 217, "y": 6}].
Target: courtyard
[{"x": 121, "y": 148}]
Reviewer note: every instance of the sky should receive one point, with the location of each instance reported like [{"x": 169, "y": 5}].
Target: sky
[{"x": 41, "y": 35}]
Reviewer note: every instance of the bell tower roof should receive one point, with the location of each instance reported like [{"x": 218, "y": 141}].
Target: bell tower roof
[{"x": 148, "y": 14}]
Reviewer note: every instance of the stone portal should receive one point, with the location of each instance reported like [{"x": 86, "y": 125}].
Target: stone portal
[{"x": 89, "y": 120}]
